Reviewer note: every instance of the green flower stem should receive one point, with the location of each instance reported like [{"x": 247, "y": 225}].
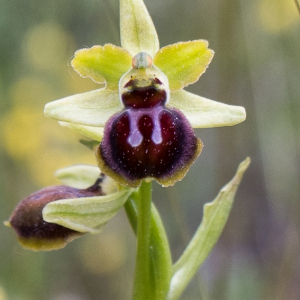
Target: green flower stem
[
  {"x": 160, "y": 256},
  {"x": 142, "y": 288}
]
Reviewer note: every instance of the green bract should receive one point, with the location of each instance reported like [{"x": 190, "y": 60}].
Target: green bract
[
  {"x": 85, "y": 214},
  {"x": 215, "y": 215},
  {"x": 88, "y": 214}
]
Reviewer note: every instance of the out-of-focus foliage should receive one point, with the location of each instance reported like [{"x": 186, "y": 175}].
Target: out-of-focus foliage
[{"x": 256, "y": 65}]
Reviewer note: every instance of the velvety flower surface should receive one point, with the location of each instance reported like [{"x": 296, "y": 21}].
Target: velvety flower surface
[
  {"x": 33, "y": 231},
  {"x": 52, "y": 217},
  {"x": 146, "y": 114},
  {"x": 146, "y": 140}
]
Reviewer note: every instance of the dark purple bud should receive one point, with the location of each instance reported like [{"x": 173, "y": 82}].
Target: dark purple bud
[{"x": 27, "y": 220}]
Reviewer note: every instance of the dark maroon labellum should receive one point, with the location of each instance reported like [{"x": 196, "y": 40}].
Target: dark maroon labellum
[
  {"x": 147, "y": 140},
  {"x": 35, "y": 233}
]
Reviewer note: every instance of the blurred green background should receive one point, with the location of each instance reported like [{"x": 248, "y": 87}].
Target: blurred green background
[{"x": 256, "y": 65}]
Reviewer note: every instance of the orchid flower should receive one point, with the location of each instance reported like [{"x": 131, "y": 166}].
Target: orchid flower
[
  {"x": 143, "y": 120},
  {"x": 146, "y": 114}
]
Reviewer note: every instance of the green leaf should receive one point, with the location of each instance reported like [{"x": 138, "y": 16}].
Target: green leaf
[
  {"x": 205, "y": 113},
  {"x": 138, "y": 33},
  {"x": 214, "y": 219},
  {"x": 92, "y": 108},
  {"x": 83, "y": 176},
  {"x": 103, "y": 64},
  {"x": 94, "y": 133},
  {"x": 160, "y": 255},
  {"x": 85, "y": 214},
  {"x": 183, "y": 62}
]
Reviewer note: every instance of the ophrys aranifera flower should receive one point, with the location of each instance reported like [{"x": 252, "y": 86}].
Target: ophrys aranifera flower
[
  {"x": 144, "y": 121},
  {"x": 145, "y": 111},
  {"x": 146, "y": 140}
]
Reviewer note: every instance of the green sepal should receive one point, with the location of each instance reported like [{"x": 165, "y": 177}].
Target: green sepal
[
  {"x": 85, "y": 214},
  {"x": 96, "y": 107},
  {"x": 92, "y": 108},
  {"x": 103, "y": 64},
  {"x": 214, "y": 219},
  {"x": 84, "y": 176},
  {"x": 205, "y": 113},
  {"x": 183, "y": 62},
  {"x": 138, "y": 33},
  {"x": 94, "y": 133},
  {"x": 78, "y": 176}
]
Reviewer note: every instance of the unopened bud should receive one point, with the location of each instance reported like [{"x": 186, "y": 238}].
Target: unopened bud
[{"x": 27, "y": 219}]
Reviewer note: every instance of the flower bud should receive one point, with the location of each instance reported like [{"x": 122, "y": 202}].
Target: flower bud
[{"x": 27, "y": 219}]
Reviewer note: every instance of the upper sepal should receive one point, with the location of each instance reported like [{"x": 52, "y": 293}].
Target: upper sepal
[
  {"x": 138, "y": 33},
  {"x": 103, "y": 64},
  {"x": 183, "y": 62}
]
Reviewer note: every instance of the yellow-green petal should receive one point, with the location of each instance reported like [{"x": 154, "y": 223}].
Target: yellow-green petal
[
  {"x": 183, "y": 62},
  {"x": 92, "y": 108},
  {"x": 205, "y": 113},
  {"x": 85, "y": 214},
  {"x": 103, "y": 64},
  {"x": 94, "y": 133},
  {"x": 138, "y": 33}
]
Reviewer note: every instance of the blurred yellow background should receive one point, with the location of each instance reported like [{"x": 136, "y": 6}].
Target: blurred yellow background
[{"x": 256, "y": 65}]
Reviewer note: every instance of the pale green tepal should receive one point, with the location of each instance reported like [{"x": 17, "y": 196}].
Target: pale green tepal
[{"x": 86, "y": 214}]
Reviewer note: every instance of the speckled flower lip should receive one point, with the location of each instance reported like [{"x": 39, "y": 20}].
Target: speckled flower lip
[{"x": 147, "y": 140}]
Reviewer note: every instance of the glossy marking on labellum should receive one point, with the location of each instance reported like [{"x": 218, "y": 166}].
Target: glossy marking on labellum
[{"x": 147, "y": 140}]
